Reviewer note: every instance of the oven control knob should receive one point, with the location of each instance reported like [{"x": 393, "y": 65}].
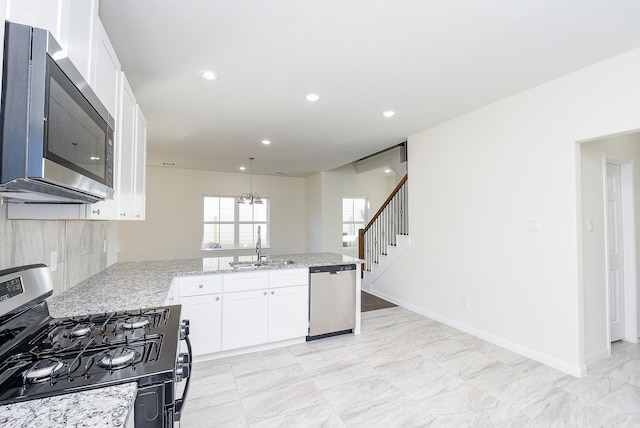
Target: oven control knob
[
  {"x": 183, "y": 358},
  {"x": 184, "y": 329},
  {"x": 182, "y": 372}
]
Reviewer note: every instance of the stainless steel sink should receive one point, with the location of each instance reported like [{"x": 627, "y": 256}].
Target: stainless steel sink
[
  {"x": 246, "y": 264},
  {"x": 260, "y": 263}
]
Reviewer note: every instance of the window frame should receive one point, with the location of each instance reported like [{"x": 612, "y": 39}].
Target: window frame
[
  {"x": 363, "y": 223},
  {"x": 236, "y": 222}
]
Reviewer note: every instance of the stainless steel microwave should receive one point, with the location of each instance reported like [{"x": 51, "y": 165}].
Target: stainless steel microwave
[{"x": 56, "y": 136}]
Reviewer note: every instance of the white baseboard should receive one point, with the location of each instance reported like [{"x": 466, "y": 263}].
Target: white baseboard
[
  {"x": 563, "y": 366},
  {"x": 248, "y": 349}
]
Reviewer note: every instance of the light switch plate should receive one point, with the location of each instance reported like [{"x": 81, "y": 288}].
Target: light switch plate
[{"x": 533, "y": 225}]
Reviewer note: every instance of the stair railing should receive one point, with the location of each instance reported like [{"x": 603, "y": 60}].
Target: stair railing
[{"x": 389, "y": 221}]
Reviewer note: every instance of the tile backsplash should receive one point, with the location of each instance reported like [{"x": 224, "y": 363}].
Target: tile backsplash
[{"x": 81, "y": 246}]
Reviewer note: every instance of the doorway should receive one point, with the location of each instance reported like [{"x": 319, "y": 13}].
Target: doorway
[
  {"x": 601, "y": 301},
  {"x": 620, "y": 250}
]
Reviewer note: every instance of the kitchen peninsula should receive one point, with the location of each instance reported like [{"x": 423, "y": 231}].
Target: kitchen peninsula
[{"x": 135, "y": 285}]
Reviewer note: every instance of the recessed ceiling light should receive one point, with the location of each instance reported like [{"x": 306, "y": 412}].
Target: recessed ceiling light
[
  {"x": 387, "y": 170},
  {"x": 242, "y": 168},
  {"x": 208, "y": 75},
  {"x": 389, "y": 113},
  {"x": 266, "y": 142},
  {"x": 313, "y": 97}
]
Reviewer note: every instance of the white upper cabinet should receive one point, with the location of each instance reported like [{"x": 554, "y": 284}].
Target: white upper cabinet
[
  {"x": 77, "y": 28},
  {"x": 71, "y": 22},
  {"x": 105, "y": 70},
  {"x": 46, "y": 14},
  {"x": 121, "y": 206},
  {"x": 127, "y": 115},
  {"x": 78, "y": 35},
  {"x": 140, "y": 179}
]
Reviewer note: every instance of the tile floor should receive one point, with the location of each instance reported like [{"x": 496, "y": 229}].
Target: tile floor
[{"x": 406, "y": 370}]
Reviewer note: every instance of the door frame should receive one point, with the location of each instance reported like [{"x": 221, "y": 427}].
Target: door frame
[{"x": 629, "y": 249}]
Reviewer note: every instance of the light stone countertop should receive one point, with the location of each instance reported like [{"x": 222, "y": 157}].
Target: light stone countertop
[
  {"x": 127, "y": 285},
  {"x": 103, "y": 407},
  {"x": 136, "y": 285}
]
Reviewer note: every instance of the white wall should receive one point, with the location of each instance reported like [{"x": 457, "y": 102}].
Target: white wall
[
  {"x": 325, "y": 193},
  {"x": 593, "y": 154},
  {"x": 313, "y": 189},
  {"x": 477, "y": 179},
  {"x": 173, "y": 225}
]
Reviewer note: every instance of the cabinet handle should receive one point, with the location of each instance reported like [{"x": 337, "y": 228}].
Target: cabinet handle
[
  {"x": 96, "y": 211},
  {"x": 217, "y": 298},
  {"x": 200, "y": 286},
  {"x": 123, "y": 214},
  {"x": 137, "y": 215},
  {"x": 264, "y": 293},
  {"x": 273, "y": 292}
]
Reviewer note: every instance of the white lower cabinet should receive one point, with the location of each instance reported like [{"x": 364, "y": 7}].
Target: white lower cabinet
[
  {"x": 244, "y": 309},
  {"x": 201, "y": 300},
  {"x": 244, "y": 319},
  {"x": 205, "y": 317},
  {"x": 288, "y": 312}
]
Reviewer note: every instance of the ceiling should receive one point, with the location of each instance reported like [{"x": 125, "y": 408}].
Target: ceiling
[{"x": 427, "y": 60}]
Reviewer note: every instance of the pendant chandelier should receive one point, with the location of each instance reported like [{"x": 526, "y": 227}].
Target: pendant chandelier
[{"x": 250, "y": 198}]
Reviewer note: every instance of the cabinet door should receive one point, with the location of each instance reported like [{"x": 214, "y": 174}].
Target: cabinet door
[
  {"x": 103, "y": 210},
  {"x": 244, "y": 319},
  {"x": 205, "y": 317},
  {"x": 105, "y": 70},
  {"x": 125, "y": 147},
  {"x": 288, "y": 312},
  {"x": 121, "y": 207},
  {"x": 139, "y": 180},
  {"x": 78, "y": 32},
  {"x": 44, "y": 14}
]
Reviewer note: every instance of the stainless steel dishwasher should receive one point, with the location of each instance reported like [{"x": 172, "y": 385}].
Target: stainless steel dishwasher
[{"x": 332, "y": 300}]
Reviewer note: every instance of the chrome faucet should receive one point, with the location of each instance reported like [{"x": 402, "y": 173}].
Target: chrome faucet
[{"x": 259, "y": 245}]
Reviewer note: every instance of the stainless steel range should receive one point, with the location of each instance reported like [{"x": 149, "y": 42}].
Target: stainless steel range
[{"x": 41, "y": 356}]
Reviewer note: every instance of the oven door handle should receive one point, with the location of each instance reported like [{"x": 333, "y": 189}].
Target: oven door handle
[{"x": 179, "y": 403}]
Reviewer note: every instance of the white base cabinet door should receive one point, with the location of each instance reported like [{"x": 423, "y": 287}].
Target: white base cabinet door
[
  {"x": 245, "y": 315},
  {"x": 288, "y": 312},
  {"x": 205, "y": 322}
]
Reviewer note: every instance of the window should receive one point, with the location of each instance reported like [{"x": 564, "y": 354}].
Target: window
[
  {"x": 354, "y": 214},
  {"x": 229, "y": 225}
]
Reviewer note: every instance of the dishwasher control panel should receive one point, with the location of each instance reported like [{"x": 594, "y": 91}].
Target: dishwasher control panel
[{"x": 332, "y": 269}]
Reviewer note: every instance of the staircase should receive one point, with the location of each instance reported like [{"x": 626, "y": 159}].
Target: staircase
[{"x": 386, "y": 236}]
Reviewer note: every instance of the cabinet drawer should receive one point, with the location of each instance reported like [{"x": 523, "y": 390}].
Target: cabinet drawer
[
  {"x": 288, "y": 277},
  {"x": 245, "y": 281},
  {"x": 199, "y": 300},
  {"x": 199, "y": 285}
]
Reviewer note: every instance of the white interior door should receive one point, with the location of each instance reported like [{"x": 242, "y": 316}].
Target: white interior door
[{"x": 615, "y": 253}]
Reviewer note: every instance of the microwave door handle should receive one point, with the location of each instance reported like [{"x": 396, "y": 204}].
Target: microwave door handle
[{"x": 179, "y": 403}]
